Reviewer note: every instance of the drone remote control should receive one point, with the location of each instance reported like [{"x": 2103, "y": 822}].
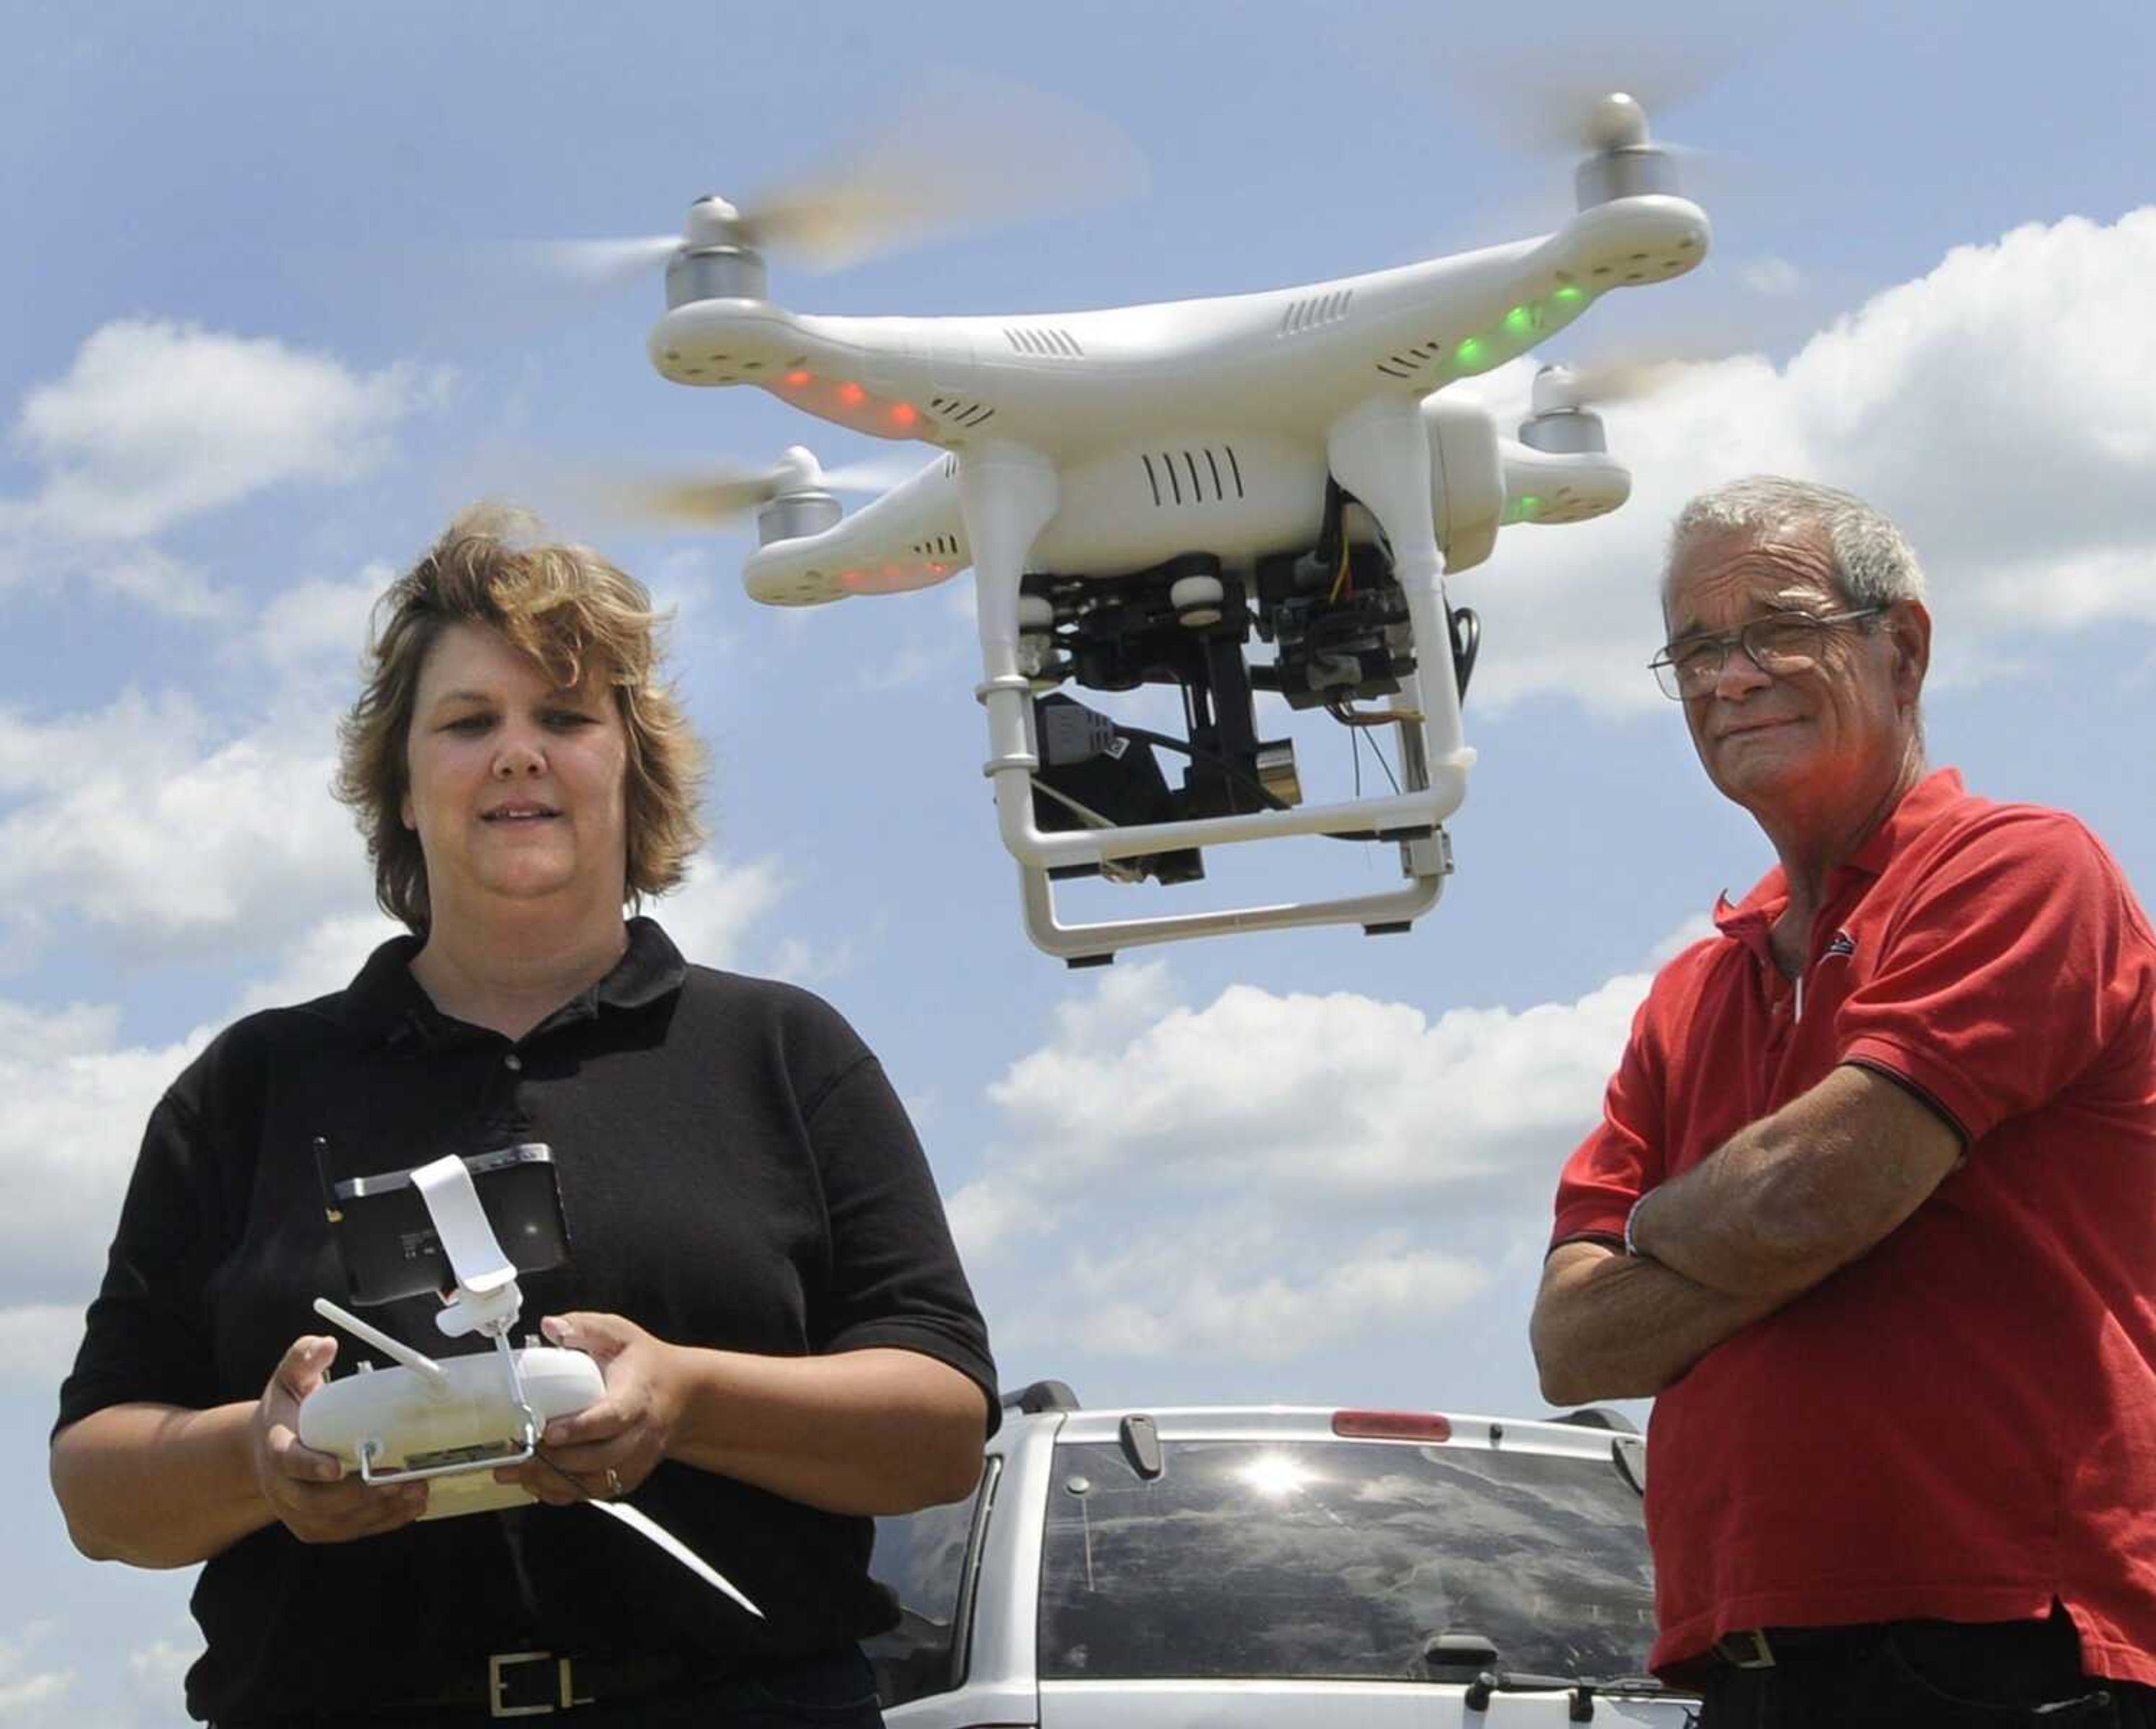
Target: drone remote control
[
  {"x": 455, "y": 1423},
  {"x": 399, "y": 1424}
]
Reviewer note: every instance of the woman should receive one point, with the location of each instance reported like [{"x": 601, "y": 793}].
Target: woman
[{"x": 759, "y": 1262}]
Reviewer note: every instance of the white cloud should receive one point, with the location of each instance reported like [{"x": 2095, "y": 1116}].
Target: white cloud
[
  {"x": 1696, "y": 929},
  {"x": 799, "y": 961},
  {"x": 323, "y": 959},
  {"x": 28, "y": 1693},
  {"x": 321, "y": 622},
  {"x": 1270, "y": 1175},
  {"x": 78, "y": 1103},
  {"x": 1176, "y": 1293},
  {"x": 160, "y": 584},
  {"x": 157, "y": 1671},
  {"x": 157, "y": 422},
  {"x": 689, "y": 592},
  {"x": 1776, "y": 277},
  {"x": 1337, "y": 1101},
  {"x": 142, "y": 823},
  {"x": 2002, "y": 408},
  {"x": 52, "y": 755},
  {"x": 711, "y": 916},
  {"x": 903, "y": 667},
  {"x": 38, "y": 1342}
]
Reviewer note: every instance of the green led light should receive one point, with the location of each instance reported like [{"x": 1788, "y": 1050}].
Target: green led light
[
  {"x": 1470, "y": 352},
  {"x": 1570, "y": 293},
  {"x": 1520, "y": 321},
  {"x": 1529, "y": 504}
]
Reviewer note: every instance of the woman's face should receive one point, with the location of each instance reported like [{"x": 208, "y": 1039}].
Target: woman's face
[{"x": 516, "y": 789}]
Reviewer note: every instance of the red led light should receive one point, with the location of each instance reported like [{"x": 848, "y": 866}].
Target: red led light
[
  {"x": 1393, "y": 1425},
  {"x": 905, "y": 414},
  {"x": 797, "y": 378},
  {"x": 852, "y": 395}
]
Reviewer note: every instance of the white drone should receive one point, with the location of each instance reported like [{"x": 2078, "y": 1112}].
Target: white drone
[{"x": 1139, "y": 490}]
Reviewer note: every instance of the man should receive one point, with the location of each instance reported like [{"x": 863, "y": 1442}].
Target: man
[{"x": 1872, "y": 1207}]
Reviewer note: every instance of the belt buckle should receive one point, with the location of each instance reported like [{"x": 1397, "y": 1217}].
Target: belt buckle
[
  {"x": 1748, "y": 1649},
  {"x": 497, "y": 1686}
]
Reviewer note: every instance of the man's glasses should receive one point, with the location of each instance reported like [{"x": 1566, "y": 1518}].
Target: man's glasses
[{"x": 1778, "y": 644}]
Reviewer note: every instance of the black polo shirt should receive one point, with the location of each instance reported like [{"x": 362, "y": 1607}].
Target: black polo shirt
[{"x": 735, "y": 1171}]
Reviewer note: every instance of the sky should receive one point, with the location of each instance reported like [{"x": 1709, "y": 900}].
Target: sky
[{"x": 271, "y": 324}]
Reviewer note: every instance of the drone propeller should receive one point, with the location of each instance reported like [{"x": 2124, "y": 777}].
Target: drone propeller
[
  {"x": 603, "y": 264},
  {"x": 1546, "y": 100},
  {"x": 959, "y": 155},
  {"x": 1558, "y": 388},
  {"x": 713, "y": 495}
]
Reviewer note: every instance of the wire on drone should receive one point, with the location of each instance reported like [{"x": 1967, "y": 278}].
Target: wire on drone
[{"x": 1270, "y": 799}]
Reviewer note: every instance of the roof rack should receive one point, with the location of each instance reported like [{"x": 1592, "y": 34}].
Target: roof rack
[{"x": 1042, "y": 1396}]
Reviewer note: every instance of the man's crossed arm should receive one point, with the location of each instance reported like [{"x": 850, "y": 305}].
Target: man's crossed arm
[{"x": 1768, "y": 1215}]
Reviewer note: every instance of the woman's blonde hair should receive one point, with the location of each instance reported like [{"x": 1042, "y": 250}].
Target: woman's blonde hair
[{"x": 573, "y": 614}]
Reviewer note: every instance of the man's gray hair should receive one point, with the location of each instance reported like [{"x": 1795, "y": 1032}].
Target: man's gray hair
[{"x": 1876, "y": 565}]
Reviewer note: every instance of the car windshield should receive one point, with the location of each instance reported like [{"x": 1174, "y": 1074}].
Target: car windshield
[{"x": 1314, "y": 1559}]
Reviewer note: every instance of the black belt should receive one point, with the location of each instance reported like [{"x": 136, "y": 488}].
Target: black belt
[
  {"x": 1771, "y": 1647},
  {"x": 538, "y": 1684}
]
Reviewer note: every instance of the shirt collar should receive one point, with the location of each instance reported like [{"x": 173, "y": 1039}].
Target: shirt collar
[
  {"x": 1751, "y": 921},
  {"x": 385, "y": 1004}
]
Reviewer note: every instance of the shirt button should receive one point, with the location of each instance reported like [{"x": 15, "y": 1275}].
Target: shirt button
[{"x": 512, "y": 1061}]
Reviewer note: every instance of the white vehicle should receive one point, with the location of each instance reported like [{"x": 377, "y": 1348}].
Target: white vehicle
[{"x": 1267, "y": 1566}]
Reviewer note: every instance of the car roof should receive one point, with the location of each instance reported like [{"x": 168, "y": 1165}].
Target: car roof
[{"x": 1587, "y": 1437}]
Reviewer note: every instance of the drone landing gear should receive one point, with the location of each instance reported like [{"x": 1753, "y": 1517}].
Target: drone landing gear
[
  {"x": 1339, "y": 624},
  {"x": 1066, "y": 802}
]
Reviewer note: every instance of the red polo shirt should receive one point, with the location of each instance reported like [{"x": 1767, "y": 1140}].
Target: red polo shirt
[{"x": 1962, "y": 1424}]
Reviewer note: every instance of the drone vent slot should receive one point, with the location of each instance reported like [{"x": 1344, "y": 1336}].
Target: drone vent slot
[
  {"x": 1050, "y": 343},
  {"x": 1407, "y": 364},
  {"x": 1191, "y": 482},
  {"x": 1316, "y": 310},
  {"x": 959, "y": 413}
]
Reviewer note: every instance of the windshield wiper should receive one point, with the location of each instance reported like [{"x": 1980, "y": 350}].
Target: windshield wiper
[
  {"x": 1457, "y": 1654},
  {"x": 1583, "y": 1690}
]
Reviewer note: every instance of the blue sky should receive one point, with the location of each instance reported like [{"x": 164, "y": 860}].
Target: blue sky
[{"x": 266, "y": 333}]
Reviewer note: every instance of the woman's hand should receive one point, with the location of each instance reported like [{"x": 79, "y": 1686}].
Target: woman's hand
[
  {"x": 308, "y": 1491},
  {"x": 607, "y": 1450}
]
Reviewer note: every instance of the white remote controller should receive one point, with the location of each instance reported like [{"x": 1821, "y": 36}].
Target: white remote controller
[
  {"x": 454, "y": 1423},
  {"x": 402, "y": 1422}
]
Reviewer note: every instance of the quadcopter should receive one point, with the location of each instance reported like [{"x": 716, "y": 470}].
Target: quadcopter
[{"x": 1146, "y": 494}]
